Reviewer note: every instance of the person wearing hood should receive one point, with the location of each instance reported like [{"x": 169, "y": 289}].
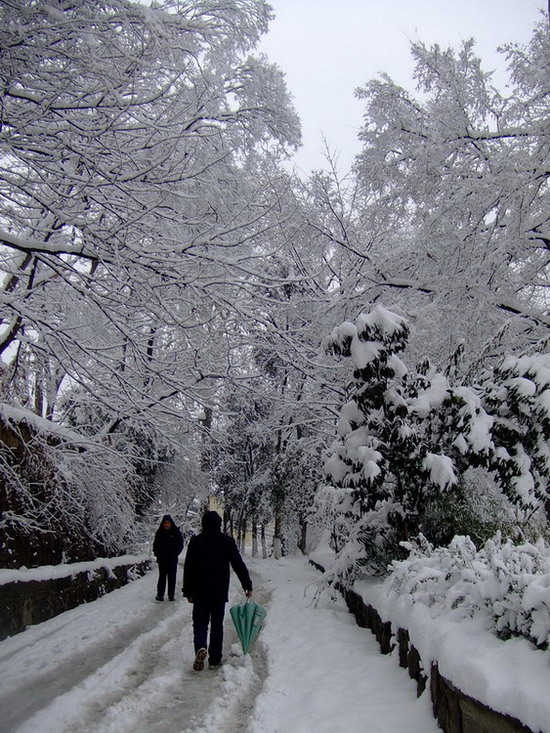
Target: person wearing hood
[
  {"x": 206, "y": 574},
  {"x": 167, "y": 546}
]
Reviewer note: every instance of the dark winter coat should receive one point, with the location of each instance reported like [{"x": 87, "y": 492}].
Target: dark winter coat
[
  {"x": 209, "y": 557},
  {"x": 168, "y": 543}
]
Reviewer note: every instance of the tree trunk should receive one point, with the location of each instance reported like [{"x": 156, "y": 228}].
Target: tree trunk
[
  {"x": 228, "y": 523},
  {"x": 277, "y": 539},
  {"x": 38, "y": 396},
  {"x": 254, "y": 538},
  {"x": 206, "y": 424},
  {"x": 302, "y": 542},
  {"x": 242, "y": 541},
  {"x": 264, "y": 544}
]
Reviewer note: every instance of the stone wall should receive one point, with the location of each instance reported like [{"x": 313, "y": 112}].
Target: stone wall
[
  {"x": 23, "y": 603},
  {"x": 455, "y": 712}
]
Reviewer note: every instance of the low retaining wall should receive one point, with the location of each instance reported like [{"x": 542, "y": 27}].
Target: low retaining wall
[
  {"x": 26, "y": 602},
  {"x": 455, "y": 712}
]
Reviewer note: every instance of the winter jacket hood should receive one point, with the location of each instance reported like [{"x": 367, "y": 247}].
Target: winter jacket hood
[
  {"x": 168, "y": 543},
  {"x": 211, "y": 522},
  {"x": 166, "y": 518}
]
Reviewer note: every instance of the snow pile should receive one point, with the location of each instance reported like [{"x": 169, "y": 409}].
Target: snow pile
[
  {"x": 325, "y": 673},
  {"x": 371, "y": 335},
  {"x": 505, "y": 583},
  {"x": 440, "y": 469}
]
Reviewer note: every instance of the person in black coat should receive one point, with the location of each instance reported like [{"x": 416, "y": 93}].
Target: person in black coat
[
  {"x": 167, "y": 546},
  {"x": 206, "y": 585}
]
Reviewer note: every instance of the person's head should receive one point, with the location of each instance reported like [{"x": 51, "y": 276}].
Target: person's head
[
  {"x": 211, "y": 521},
  {"x": 167, "y": 522}
]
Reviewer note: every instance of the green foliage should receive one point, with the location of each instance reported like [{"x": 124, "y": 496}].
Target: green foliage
[{"x": 454, "y": 513}]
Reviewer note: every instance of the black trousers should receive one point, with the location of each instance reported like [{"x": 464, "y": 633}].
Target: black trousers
[
  {"x": 205, "y": 614},
  {"x": 168, "y": 569}
]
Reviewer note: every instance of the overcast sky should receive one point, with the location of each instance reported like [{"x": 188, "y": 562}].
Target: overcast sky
[{"x": 328, "y": 48}]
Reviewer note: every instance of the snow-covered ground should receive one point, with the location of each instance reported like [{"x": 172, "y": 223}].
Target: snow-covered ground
[{"x": 123, "y": 663}]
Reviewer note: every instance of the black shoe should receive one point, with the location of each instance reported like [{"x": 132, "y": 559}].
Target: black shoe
[
  {"x": 172, "y": 599},
  {"x": 215, "y": 666},
  {"x": 158, "y": 598}
]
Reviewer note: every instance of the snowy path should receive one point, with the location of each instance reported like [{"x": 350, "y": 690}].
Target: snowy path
[{"x": 123, "y": 664}]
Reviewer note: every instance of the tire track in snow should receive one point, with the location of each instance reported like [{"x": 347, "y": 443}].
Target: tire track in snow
[
  {"x": 132, "y": 673},
  {"x": 21, "y": 700},
  {"x": 40, "y": 691}
]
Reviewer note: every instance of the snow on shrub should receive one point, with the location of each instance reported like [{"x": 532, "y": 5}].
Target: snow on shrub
[
  {"x": 407, "y": 438},
  {"x": 506, "y": 582}
]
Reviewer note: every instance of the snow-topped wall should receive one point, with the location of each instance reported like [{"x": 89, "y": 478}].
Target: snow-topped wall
[{"x": 29, "y": 596}]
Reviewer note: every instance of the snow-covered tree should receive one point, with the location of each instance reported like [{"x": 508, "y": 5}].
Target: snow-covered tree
[
  {"x": 405, "y": 439},
  {"x": 243, "y": 450},
  {"x": 139, "y": 167},
  {"x": 180, "y": 486},
  {"x": 456, "y": 177},
  {"x": 378, "y": 466},
  {"x": 132, "y": 194}
]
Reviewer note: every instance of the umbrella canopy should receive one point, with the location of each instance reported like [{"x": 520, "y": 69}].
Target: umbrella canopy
[{"x": 248, "y": 619}]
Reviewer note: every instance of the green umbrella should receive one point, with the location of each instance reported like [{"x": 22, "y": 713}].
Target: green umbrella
[{"x": 248, "y": 619}]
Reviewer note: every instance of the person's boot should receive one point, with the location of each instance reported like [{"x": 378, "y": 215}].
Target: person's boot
[{"x": 200, "y": 656}]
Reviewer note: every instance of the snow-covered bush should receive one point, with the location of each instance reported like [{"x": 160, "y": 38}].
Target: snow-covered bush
[
  {"x": 407, "y": 439},
  {"x": 508, "y": 583},
  {"x": 517, "y": 395}
]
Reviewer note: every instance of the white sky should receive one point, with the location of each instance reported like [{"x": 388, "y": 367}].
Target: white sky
[{"x": 328, "y": 48}]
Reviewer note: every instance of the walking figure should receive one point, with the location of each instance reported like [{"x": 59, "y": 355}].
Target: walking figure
[
  {"x": 206, "y": 585},
  {"x": 167, "y": 546}
]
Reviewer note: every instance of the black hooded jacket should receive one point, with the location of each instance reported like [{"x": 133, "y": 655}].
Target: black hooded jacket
[
  {"x": 168, "y": 543},
  {"x": 206, "y": 568}
]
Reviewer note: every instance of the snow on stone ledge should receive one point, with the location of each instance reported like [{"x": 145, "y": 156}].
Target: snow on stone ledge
[
  {"x": 511, "y": 677},
  {"x": 65, "y": 570}
]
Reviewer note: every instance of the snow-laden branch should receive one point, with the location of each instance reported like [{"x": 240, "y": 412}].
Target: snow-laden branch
[{"x": 28, "y": 244}]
